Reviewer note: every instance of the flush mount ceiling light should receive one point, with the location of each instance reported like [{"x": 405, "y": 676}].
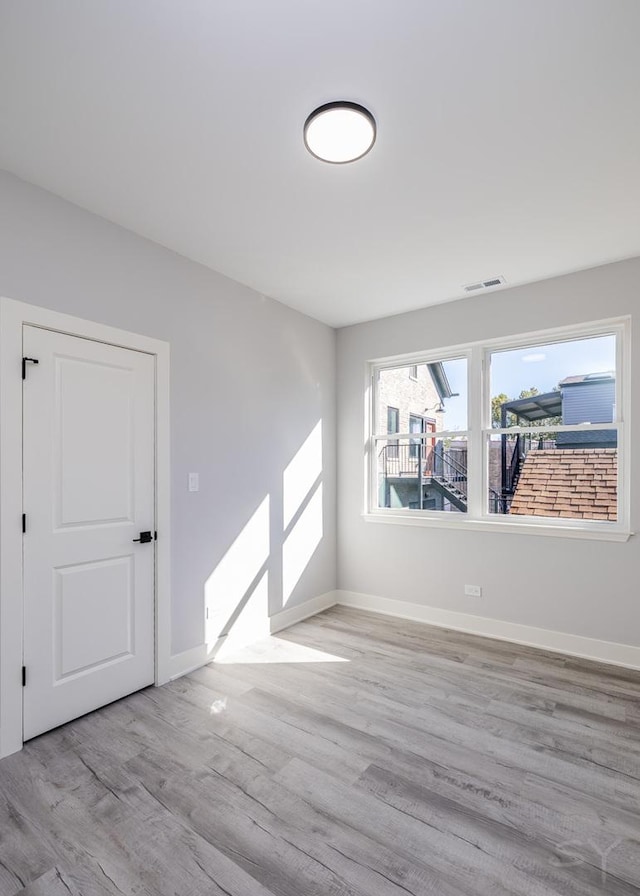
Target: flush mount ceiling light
[{"x": 340, "y": 132}]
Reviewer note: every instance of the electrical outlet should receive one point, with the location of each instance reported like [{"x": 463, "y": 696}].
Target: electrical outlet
[
  {"x": 194, "y": 482},
  {"x": 473, "y": 590}
]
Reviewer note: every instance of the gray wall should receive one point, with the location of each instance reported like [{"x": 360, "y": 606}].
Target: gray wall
[
  {"x": 582, "y": 587},
  {"x": 250, "y": 379}
]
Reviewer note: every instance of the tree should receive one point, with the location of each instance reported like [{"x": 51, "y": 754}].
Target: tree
[{"x": 496, "y": 409}]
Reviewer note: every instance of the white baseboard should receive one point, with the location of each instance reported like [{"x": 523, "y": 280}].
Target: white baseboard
[
  {"x": 312, "y": 607},
  {"x": 558, "y": 642},
  {"x": 625, "y": 655},
  {"x": 188, "y": 660}
]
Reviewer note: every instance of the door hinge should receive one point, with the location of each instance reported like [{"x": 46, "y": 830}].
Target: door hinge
[
  {"x": 155, "y": 536},
  {"x": 24, "y": 676},
  {"x": 26, "y": 361},
  {"x": 24, "y": 523}
]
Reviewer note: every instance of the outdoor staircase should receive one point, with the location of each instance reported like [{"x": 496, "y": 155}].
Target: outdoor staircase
[
  {"x": 450, "y": 491},
  {"x": 511, "y": 468},
  {"x": 442, "y": 470}
]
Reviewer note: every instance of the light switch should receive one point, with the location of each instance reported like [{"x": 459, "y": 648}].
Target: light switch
[{"x": 194, "y": 482}]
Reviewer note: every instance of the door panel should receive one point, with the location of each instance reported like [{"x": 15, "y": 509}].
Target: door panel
[
  {"x": 90, "y": 596},
  {"x": 88, "y": 442},
  {"x": 93, "y": 443}
]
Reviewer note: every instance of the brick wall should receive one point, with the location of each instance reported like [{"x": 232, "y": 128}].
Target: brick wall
[{"x": 419, "y": 396}]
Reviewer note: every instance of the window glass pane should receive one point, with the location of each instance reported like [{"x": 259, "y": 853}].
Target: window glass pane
[
  {"x": 424, "y": 473},
  {"x": 558, "y": 383},
  {"x": 435, "y": 392},
  {"x": 418, "y": 425},
  {"x": 392, "y": 426},
  {"x": 564, "y": 475}
]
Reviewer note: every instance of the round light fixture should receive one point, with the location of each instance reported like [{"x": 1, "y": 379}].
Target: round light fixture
[{"x": 340, "y": 132}]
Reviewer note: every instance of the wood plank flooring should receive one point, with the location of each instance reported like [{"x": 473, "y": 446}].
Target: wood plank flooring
[{"x": 352, "y": 755}]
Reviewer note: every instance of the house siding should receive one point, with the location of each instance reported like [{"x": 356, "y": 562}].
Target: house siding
[{"x": 588, "y": 402}]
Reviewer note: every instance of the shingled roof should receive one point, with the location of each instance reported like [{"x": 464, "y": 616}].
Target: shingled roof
[{"x": 576, "y": 483}]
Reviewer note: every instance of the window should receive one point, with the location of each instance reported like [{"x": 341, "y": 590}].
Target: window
[
  {"x": 524, "y": 432},
  {"x": 413, "y": 469}
]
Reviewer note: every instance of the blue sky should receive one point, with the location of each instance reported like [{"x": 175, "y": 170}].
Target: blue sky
[{"x": 541, "y": 366}]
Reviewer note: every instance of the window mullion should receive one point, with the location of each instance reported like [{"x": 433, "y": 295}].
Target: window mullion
[
  {"x": 624, "y": 516},
  {"x": 423, "y": 436},
  {"x": 371, "y": 427},
  {"x": 476, "y": 463},
  {"x": 553, "y": 427}
]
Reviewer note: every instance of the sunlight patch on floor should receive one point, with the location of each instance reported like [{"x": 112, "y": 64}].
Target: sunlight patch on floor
[
  {"x": 275, "y": 650},
  {"x": 218, "y": 706}
]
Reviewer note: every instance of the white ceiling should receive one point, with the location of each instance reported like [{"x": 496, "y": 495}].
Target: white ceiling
[{"x": 508, "y": 136}]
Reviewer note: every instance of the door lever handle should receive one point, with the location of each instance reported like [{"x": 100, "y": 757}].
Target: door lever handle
[{"x": 145, "y": 538}]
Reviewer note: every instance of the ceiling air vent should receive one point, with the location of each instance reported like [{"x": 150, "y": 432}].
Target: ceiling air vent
[{"x": 484, "y": 284}]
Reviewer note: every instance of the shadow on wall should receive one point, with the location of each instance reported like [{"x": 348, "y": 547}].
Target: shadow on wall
[{"x": 268, "y": 557}]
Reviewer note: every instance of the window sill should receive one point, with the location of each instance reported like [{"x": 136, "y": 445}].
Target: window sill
[{"x": 413, "y": 519}]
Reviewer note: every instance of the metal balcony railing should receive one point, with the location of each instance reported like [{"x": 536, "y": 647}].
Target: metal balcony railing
[{"x": 443, "y": 468}]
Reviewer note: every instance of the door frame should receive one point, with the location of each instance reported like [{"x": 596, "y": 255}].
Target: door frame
[{"x": 14, "y": 316}]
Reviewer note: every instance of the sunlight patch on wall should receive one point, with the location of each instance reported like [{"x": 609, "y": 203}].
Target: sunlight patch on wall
[
  {"x": 252, "y": 623},
  {"x": 301, "y": 474},
  {"x": 228, "y": 584},
  {"x": 301, "y": 543}
]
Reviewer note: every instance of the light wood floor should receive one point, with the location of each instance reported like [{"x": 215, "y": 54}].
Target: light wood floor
[{"x": 353, "y": 754}]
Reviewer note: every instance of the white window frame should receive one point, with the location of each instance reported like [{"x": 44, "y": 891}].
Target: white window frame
[{"x": 477, "y": 517}]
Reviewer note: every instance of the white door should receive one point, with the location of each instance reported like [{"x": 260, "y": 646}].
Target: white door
[{"x": 89, "y": 473}]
